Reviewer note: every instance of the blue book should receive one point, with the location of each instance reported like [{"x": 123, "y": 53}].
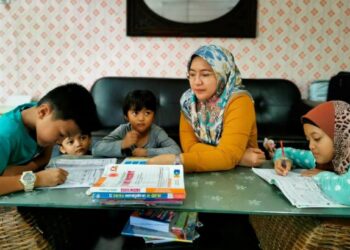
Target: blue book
[
  {"x": 155, "y": 219},
  {"x": 130, "y": 230}
]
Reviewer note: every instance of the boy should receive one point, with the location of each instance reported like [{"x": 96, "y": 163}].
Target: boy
[
  {"x": 76, "y": 145},
  {"x": 139, "y": 137},
  {"x": 28, "y": 133}
]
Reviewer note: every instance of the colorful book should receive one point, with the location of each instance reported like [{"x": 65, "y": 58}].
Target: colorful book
[
  {"x": 116, "y": 202},
  {"x": 130, "y": 230},
  {"x": 135, "y": 160},
  {"x": 131, "y": 196},
  {"x": 159, "y": 219},
  {"x": 141, "y": 179},
  {"x": 185, "y": 224}
]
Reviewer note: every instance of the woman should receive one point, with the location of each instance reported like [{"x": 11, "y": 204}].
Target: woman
[{"x": 217, "y": 124}]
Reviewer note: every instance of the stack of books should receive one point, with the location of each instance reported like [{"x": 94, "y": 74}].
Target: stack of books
[
  {"x": 159, "y": 226},
  {"x": 122, "y": 184}
]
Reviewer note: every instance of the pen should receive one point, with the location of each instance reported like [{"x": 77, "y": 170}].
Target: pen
[{"x": 283, "y": 163}]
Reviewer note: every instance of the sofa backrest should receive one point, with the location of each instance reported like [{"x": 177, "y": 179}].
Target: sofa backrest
[
  {"x": 277, "y": 103},
  {"x": 278, "y": 106},
  {"x": 109, "y": 93}
]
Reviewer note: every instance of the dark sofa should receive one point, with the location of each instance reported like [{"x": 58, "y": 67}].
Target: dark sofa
[{"x": 278, "y": 105}]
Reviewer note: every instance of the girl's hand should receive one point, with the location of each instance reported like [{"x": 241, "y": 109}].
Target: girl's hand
[
  {"x": 252, "y": 157},
  {"x": 166, "y": 159},
  {"x": 311, "y": 172},
  {"x": 139, "y": 152},
  {"x": 50, "y": 177},
  {"x": 283, "y": 166}
]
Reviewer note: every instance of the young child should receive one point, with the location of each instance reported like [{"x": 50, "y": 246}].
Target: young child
[
  {"x": 327, "y": 128},
  {"x": 140, "y": 136},
  {"x": 28, "y": 133},
  {"x": 76, "y": 145}
]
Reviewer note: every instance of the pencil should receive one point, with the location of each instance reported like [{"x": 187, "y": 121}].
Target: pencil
[{"x": 283, "y": 163}]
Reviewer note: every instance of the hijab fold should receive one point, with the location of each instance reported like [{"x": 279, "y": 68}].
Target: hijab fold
[
  {"x": 333, "y": 118},
  {"x": 206, "y": 117}
]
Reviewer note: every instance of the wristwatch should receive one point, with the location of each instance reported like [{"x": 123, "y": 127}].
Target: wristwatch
[{"x": 28, "y": 179}]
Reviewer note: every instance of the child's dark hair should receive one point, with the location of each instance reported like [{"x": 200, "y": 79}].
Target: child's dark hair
[
  {"x": 73, "y": 102},
  {"x": 308, "y": 121},
  {"x": 139, "y": 99}
]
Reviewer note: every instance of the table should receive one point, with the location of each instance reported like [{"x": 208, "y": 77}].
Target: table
[{"x": 238, "y": 191}]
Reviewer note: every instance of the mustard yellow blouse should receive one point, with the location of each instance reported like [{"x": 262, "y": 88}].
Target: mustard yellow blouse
[{"x": 239, "y": 133}]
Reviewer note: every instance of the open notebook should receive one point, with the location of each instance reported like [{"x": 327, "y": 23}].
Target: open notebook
[{"x": 301, "y": 191}]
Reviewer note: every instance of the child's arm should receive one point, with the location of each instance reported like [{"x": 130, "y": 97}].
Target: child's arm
[
  {"x": 335, "y": 186},
  {"x": 111, "y": 145},
  {"x": 165, "y": 145},
  {"x": 301, "y": 158},
  {"x": 44, "y": 178},
  {"x": 37, "y": 163}
]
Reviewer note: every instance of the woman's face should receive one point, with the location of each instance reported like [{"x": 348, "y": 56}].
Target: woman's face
[
  {"x": 202, "y": 79},
  {"x": 320, "y": 144}
]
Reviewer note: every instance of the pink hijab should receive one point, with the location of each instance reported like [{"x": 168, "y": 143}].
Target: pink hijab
[{"x": 333, "y": 118}]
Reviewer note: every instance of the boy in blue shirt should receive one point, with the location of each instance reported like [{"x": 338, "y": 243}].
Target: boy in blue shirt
[{"x": 28, "y": 133}]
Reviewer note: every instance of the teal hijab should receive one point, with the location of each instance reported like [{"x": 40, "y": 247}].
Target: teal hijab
[{"x": 206, "y": 117}]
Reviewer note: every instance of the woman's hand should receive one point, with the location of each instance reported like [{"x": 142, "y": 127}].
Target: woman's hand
[
  {"x": 283, "y": 166},
  {"x": 166, "y": 159},
  {"x": 50, "y": 177},
  {"x": 252, "y": 157},
  {"x": 311, "y": 172}
]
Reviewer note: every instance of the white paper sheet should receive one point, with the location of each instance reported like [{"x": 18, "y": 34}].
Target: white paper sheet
[
  {"x": 82, "y": 172},
  {"x": 301, "y": 191}
]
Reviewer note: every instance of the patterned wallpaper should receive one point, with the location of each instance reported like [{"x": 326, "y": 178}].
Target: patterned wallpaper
[{"x": 49, "y": 42}]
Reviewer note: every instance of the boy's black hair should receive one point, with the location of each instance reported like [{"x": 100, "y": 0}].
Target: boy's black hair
[
  {"x": 73, "y": 102},
  {"x": 139, "y": 99}
]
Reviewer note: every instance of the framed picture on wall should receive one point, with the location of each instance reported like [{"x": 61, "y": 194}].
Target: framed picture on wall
[{"x": 192, "y": 18}]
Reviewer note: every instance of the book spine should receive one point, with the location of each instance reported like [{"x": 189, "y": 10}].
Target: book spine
[
  {"x": 146, "y": 196},
  {"x": 96, "y": 189}
]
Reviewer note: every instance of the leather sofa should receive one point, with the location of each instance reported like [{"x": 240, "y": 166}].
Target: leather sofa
[{"x": 278, "y": 105}]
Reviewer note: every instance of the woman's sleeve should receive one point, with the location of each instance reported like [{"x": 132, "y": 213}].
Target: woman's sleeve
[
  {"x": 239, "y": 121},
  {"x": 301, "y": 158},
  {"x": 336, "y": 187}
]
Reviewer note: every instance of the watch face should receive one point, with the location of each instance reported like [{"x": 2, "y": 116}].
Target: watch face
[{"x": 28, "y": 177}]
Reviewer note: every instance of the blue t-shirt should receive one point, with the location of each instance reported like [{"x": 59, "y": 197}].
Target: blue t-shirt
[{"x": 16, "y": 145}]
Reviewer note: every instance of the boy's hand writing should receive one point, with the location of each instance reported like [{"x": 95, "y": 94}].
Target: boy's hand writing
[
  {"x": 130, "y": 139},
  {"x": 252, "y": 157},
  {"x": 283, "y": 166},
  {"x": 50, "y": 177},
  {"x": 139, "y": 152}
]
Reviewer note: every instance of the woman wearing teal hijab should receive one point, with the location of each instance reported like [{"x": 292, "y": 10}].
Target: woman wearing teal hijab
[{"x": 217, "y": 124}]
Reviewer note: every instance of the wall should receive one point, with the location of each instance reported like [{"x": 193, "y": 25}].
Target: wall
[{"x": 49, "y": 42}]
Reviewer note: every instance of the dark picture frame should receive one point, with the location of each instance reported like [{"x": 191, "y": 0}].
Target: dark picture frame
[{"x": 239, "y": 22}]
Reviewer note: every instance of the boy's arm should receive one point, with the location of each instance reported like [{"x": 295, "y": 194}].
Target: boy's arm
[
  {"x": 36, "y": 164},
  {"x": 299, "y": 157},
  {"x": 165, "y": 145},
  {"x": 45, "y": 178},
  {"x": 110, "y": 145}
]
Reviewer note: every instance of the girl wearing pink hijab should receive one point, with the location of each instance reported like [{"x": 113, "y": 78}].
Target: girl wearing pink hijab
[{"x": 327, "y": 128}]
